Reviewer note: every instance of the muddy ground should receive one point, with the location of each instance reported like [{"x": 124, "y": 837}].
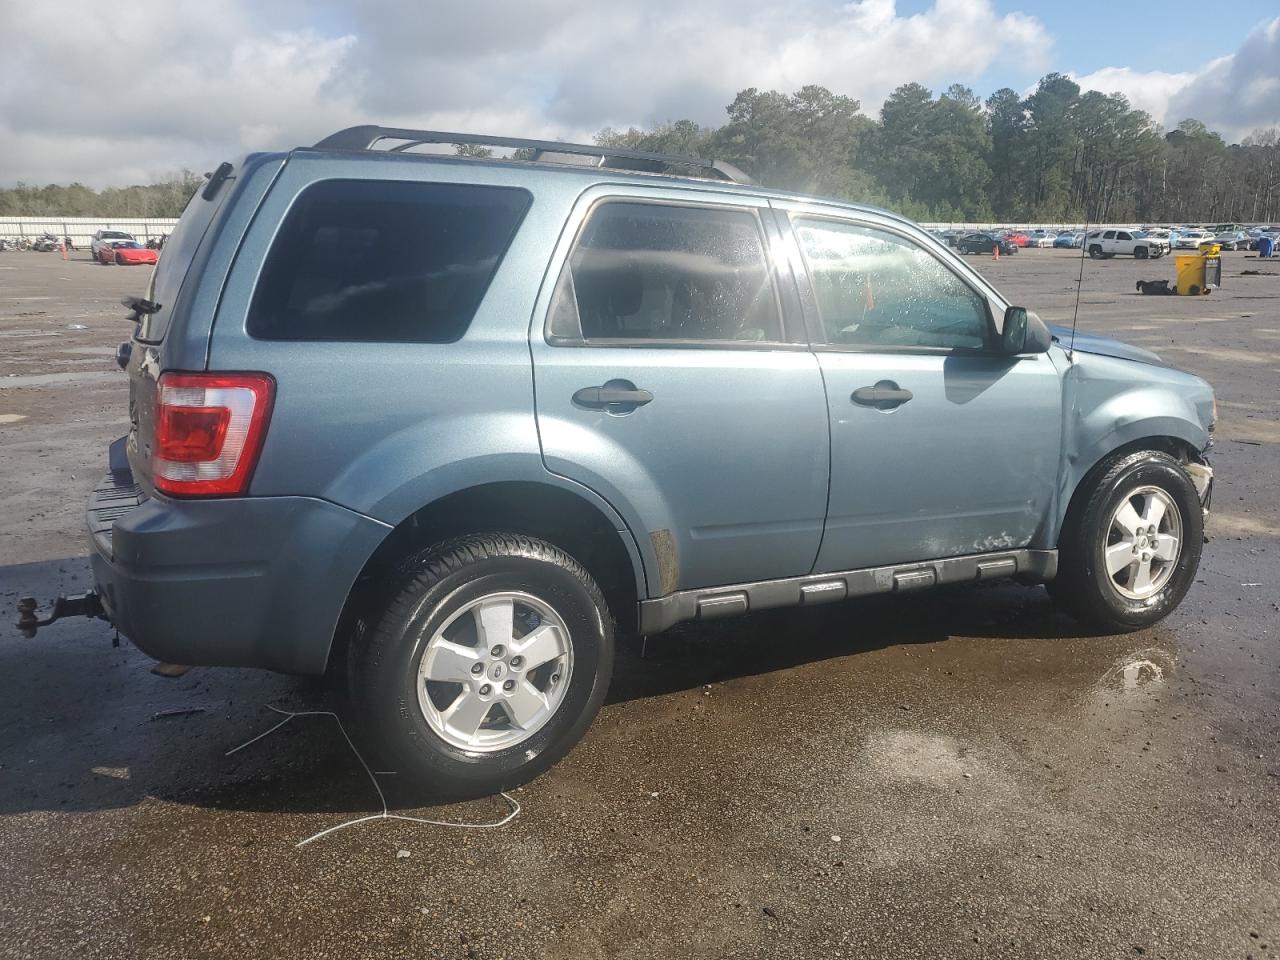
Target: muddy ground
[{"x": 964, "y": 774}]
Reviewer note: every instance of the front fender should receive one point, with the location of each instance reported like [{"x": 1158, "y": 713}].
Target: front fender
[{"x": 1111, "y": 403}]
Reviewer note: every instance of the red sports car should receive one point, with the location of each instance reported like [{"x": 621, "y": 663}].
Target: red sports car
[{"x": 125, "y": 253}]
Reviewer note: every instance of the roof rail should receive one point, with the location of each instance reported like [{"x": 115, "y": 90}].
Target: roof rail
[{"x": 368, "y": 136}]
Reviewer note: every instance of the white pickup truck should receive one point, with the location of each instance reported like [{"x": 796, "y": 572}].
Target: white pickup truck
[{"x": 1104, "y": 244}]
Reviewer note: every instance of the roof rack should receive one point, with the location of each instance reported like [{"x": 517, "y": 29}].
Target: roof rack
[{"x": 368, "y": 136}]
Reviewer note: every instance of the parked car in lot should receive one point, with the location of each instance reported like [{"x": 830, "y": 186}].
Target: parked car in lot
[
  {"x": 443, "y": 426},
  {"x": 1104, "y": 244},
  {"x": 1069, "y": 239},
  {"x": 984, "y": 243},
  {"x": 1017, "y": 237},
  {"x": 1232, "y": 240},
  {"x": 1041, "y": 238},
  {"x": 106, "y": 238},
  {"x": 1268, "y": 232},
  {"x": 125, "y": 253},
  {"x": 1191, "y": 239}
]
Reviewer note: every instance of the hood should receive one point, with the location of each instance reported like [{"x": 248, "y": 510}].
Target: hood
[{"x": 1103, "y": 346}]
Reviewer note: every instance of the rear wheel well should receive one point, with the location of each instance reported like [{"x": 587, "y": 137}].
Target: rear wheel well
[{"x": 534, "y": 509}]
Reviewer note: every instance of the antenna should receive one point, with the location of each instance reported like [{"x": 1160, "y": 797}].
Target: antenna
[{"x": 1075, "y": 314}]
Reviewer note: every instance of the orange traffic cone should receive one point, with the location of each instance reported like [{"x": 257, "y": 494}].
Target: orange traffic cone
[
  {"x": 62, "y": 245},
  {"x": 995, "y": 252}
]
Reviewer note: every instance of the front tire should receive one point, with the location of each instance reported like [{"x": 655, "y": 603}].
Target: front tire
[
  {"x": 1139, "y": 253},
  {"x": 1131, "y": 543},
  {"x": 487, "y": 665}
]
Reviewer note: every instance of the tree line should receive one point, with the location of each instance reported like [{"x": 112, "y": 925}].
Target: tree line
[
  {"x": 1056, "y": 155},
  {"x": 163, "y": 199}
]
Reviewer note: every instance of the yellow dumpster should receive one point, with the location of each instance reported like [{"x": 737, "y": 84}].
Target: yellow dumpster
[{"x": 1197, "y": 273}]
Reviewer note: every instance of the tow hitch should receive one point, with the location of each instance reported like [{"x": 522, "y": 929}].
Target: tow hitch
[{"x": 85, "y": 605}]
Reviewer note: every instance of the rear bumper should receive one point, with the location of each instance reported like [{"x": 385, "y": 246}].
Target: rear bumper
[{"x": 243, "y": 582}]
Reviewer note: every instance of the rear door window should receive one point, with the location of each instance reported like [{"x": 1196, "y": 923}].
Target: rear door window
[
  {"x": 657, "y": 272},
  {"x": 361, "y": 260}
]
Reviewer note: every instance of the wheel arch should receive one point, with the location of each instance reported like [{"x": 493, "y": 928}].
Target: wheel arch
[
  {"x": 565, "y": 515},
  {"x": 1176, "y": 444}
]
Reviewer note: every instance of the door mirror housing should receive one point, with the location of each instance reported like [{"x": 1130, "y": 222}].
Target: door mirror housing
[{"x": 1023, "y": 332}]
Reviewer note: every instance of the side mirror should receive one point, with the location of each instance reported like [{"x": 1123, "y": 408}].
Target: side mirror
[{"x": 1023, "y": 332}]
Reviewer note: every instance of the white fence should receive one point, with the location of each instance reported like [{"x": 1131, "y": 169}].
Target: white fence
[
  {"x": 82, "y": 229},
  {"x": 986, "y": 227}
]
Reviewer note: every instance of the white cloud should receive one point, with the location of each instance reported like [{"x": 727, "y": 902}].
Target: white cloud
[
  {"x": 1234, "y": 95},
  {"x": 1149, "y": 90},
  {"x": 120, "y": 93},
  {"x": 112, "y": 94},
  {"x": 1238, "y": 93}
]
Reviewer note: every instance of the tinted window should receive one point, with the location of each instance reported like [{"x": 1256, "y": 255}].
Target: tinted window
[
  {"x": 381, "y": 260},
  {"x": 644, "y": 271},
  {"x": 876, "y": 288}
]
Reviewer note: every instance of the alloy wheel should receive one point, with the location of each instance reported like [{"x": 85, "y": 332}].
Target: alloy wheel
[
  {"x": 494, "y": 674},
  {"x": 1143, "y": 543}
]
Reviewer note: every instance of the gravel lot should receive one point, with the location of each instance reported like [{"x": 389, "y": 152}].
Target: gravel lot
[{"x": 961, "y": 775}]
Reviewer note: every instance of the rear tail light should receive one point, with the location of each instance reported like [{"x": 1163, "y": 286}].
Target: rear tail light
[{"x": 209, "y": 432}]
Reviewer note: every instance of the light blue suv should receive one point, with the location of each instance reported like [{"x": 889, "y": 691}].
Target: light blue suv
[{"x": 447, "y": 424}]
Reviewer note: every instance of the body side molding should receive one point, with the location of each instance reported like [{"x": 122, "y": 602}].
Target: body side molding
[{"x": 713, "y": 602}]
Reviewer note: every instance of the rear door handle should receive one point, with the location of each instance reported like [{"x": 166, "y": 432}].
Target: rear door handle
[
  {"x": 613, "y": 392},
  {"x": 885, "y": 395}
]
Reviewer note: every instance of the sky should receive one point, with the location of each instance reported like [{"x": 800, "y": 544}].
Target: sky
[{"x": 112, "y": 94}]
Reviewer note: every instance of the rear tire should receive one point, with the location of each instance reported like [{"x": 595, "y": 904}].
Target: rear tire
[
  {"x": 1095, "y": 252},
  {"x": 1131, "y": 543},
  {"x": 477, "y": 602}
]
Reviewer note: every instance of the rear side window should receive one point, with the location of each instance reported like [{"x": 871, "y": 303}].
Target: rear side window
[
  {"x": 649, "y": 272},
  {"x": 400, "y": 261}
]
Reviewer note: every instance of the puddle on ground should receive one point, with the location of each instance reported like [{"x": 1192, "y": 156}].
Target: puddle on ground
[
  {"x": 1135, "y": 677},
  {"x": 12, "y": 417}
]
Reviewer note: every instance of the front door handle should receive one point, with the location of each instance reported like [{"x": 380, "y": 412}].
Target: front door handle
[
  {"x": 885, "y": 395},
  {"x": 620, "y": 392}
]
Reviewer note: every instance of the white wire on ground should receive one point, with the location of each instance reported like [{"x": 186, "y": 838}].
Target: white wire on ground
[{"x": 386, "y": 814}]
